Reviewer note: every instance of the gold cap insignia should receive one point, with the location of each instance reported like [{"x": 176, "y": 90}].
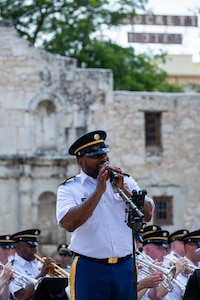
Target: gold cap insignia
[{"x": 96, "y": 137}]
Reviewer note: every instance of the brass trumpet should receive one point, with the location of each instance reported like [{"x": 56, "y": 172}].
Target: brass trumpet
[
  {"x": 168, "y": 274},
  {"x": 56, "y": 270},
  {"x": 189, "y": 267},
  {"x": 179, "y": 284},
  {"x": 19, "y": 276},
  {"x": 147, "y": 262}
]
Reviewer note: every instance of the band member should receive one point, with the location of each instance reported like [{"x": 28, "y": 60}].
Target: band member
[
  {"x": 26, "y": 243},
  {"x": 64, "y": 257},
  {"x": 191, "y": 263},
  {"x": 91, "y": 208},
  {"x": 176, "y": 244},
  {"x": 6, "y": 246},
  {"x": 154, "y": 248}
]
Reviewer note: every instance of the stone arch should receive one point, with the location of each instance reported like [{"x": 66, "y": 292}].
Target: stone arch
[
  {"x": 46, "y": 95},
  {"x": 45, "y": 109},
  {"x": 47, "y": 218},
  {"x": 45, "y": 126}
]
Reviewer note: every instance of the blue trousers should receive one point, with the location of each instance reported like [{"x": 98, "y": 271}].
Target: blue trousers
[{"x": 90, "y": 280}]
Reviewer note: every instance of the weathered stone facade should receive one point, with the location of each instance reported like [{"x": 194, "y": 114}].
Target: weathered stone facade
[{"x": 47, "y": 102}]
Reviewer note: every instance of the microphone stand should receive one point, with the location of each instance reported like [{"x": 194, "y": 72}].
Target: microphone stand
[{"x": 135, "y": 216}]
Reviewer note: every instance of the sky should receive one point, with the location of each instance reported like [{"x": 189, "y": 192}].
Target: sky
[{"x": 190, "y": 35}]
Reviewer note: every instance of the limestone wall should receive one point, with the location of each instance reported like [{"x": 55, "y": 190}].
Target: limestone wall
[{"x": 47, "y": 102}]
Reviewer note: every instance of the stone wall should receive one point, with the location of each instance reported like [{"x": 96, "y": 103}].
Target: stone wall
[{"x": 47, "y": 102}]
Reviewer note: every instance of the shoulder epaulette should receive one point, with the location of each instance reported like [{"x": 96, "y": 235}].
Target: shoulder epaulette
[
  {"x": 126, "y": 174},
  {"x": 67, "y": 180}
]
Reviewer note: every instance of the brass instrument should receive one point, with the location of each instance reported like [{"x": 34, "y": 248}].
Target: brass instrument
[
  {"x": 19, "y": 276},
  {"x": 168, "y": 274},
  {"x": 147, "y": 262},
  {"x": 56, "y": 270},
  {"x": 189, "y": 267},
  {"x": 179, "y": 284}
]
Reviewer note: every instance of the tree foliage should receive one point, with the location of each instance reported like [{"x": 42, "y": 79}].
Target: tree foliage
[{"x": 76, "y": 28}]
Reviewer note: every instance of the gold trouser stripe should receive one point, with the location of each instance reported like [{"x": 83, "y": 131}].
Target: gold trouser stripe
[
  {"x": 72, "y": 278},
  {"x": 137, "y": 269}
]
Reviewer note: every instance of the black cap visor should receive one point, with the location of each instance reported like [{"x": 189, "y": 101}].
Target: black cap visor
[
  {"x": 98, "y": 152},
  {"x": 32, "y": 243}
]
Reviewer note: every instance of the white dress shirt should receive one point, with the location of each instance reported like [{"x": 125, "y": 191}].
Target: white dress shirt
[
  {"x": 105, "y": 234},
  {"x": 28, "y": 268}
]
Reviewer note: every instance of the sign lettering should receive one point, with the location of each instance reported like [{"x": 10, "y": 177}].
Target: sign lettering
[
  {"x": 152, "y": 38},
  {"x": 187, "y": 21}
]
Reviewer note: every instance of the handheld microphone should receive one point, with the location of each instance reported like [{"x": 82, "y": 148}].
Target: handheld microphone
[
  {"x": 112, "y": 174},
  {"x": 197, "y": 251}
]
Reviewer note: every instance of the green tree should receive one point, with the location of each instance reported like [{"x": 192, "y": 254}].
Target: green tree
[
  {"x": 67, "y": 21},
  {"x": 131, "y": 72},
  {"x": 76, "y": 28}
]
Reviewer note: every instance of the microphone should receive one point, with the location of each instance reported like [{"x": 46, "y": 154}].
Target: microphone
[
  {"x": 112, "y": 174},
  {"x": 197, "y": 251}
]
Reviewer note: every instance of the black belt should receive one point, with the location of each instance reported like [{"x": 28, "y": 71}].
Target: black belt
[{"x": 111, "y": 260}]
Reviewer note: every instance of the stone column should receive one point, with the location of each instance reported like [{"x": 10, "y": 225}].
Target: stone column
[{"x": 25, "y": 201}]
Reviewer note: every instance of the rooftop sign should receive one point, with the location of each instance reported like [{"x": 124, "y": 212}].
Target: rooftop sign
[
  {"x": 158, "y": 38},
  {"x": 162, "y": 20}
]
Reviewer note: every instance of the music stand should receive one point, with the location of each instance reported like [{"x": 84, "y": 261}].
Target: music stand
[
  {"x": 192, "y": 291},
  {"x": 51, "y": 288}
]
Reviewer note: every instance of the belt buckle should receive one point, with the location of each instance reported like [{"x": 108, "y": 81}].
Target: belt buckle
[{"x": 113, "y": 260}]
